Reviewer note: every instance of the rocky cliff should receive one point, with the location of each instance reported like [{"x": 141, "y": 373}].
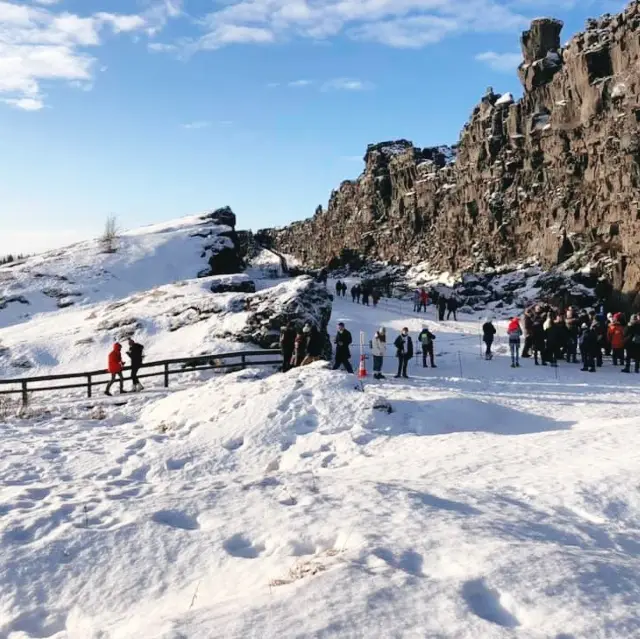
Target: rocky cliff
[{"x": 544, "y": 177}]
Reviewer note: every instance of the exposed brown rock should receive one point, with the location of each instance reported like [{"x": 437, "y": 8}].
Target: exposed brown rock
[{"x": 553, "y": 173}]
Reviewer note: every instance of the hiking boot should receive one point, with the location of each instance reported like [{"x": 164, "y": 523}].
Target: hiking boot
[
  {"x": 108, "y": 394},
  {"x": 625, "y": 370}
]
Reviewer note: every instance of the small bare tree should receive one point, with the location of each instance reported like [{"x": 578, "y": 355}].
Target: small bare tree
[{"x": 109, "y": 238}]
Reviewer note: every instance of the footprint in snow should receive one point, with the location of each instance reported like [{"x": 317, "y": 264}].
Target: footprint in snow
[
  {"x": 241, "y": 546},
  {"x": 487, "y": 603},
  {"x": 234, "y": 443},
  {"x": 175, "y": 519}
]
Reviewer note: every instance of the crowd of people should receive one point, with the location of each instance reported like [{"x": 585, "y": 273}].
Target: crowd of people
[
  {"x": 360, "y": 293},
  {"x": 551, "y": 336}
]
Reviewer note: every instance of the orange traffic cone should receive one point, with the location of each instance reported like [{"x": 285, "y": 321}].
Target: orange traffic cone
[{"x": 362, "y": 369}]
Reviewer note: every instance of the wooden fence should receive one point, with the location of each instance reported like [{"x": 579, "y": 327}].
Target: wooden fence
[{"x": 167, "y": 367}]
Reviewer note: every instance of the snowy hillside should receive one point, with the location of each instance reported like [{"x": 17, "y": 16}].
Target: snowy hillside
[
  {"x": 84, "y": 273},
  {"x": 472, "y": 500}
]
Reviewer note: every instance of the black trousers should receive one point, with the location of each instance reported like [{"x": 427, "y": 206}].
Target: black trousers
[
  {"x": 427, "y": 350},
  {"x": 134, "y": 374},
  {"x": 287, "y": 354},
  {"x": 528, "y": 345},
  {"x": 632, "y": 355},
  {"x": 403, "y": 361},
  {"x": 488, "y": 344},
  {"x": 114, "y": 376},
  {"x": 454, "y": 315},
  {"x": 618, "y": 356},
  {"x": 342, "y": 360}
]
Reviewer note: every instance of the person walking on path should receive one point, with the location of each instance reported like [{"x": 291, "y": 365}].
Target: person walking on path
[
  {"x": 378, "y": 350},
  {"x": 426, "y": 338},
  {"x": 404, "y": 352},
  {"x": 358, "y": 292},
  {"x": 115, "y": 366},
  {"x": 365, "y": 295},
  {"x": 287, "y": 345},
  {"x": 353, "y": 293},
  {"x": 135, "y": 354},
  {"x": 515, "y": 333},
  {"x": 375, "y": 296},
  {"x": 338, "y": 288},
  {"x": 343, "y": 354},
  {"x": 452, "y": 307},
  {"x": 442, "y": 307},
  {"x": 488, "y": 335}
]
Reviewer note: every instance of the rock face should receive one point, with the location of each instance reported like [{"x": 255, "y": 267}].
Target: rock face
[
  {"x": 553, "y": 173},
  {"x": 224, "y": 247}
]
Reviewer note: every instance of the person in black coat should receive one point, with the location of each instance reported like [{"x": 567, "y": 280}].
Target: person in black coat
[
  {"x": 366, "y": 293},
  {"x": 287, "y": 344},
  {"x": 588, "y": 348},
  {"x": 426, "y": 338},
  {"x": 538, "y": 341},
  {"x": 442, "y": 307},
  {"x": 338, "y": 288},
  {"x": 632, "y": 345},
  {"x": 343, "y": 354},
  {"x": 452, "y": 307},
  {"x": 354, "y": 291},
  {"x": 528, "y": 334},
  {"x": 404, "y": 352},
  {"x": 135, "y": 355},
  {"x": 488, "y": 335}
]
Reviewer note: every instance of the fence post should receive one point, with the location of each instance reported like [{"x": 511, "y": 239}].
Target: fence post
[
  {"x": 166, "y": 375},
  {"x": 243, "y": 361},
  {"x": 25, "y": 397},
  {"x": 89, "y": 386}
]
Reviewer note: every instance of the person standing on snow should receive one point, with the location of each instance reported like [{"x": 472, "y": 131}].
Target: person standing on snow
[
  {"x": 528, "y": 334},
  {"x": 375, "y": 296},
  {"x": 442, "y": 307},
  {"x": 287, "y": 345},
  {"x": 343, "y": 354},
  {"x": 354, "y": 290},
  {"x": 488, "y": 335},
  {"x": 426, "y": 338},
  {"x": 115, "y": 366},
  {"x": 588, "y": 348},
  {"x": 452, "y": 307},
  {"x": 615, "y": 338},
  {"x": 135, "y": 356},
  {"x": 416, "y": 300},
  {"x": 632, "y": 344},
  {"x": 378, "y": 350},
  {"x": 539, "y": 345},
  {"x": 573, "y": 332},
  {"x": 338, "y": 288},
  {"x": 300, "y": 347},
  {"x": 365, "y": 295},
  {"x": 424, "y": 300},
  {"x": 314, "y": 344},
  {"x": 515, "y": 333},
  {"x": 404, "y": 352},
  {"x": 358, "y": 292}
]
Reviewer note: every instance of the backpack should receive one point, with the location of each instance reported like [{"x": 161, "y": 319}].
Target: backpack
[{"x": 425, "y": 338}]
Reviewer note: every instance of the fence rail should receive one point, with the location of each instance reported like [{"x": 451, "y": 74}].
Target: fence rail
[{"x": 215, "y": 361}]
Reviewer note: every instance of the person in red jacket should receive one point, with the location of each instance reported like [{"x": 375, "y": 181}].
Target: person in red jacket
[
  {"x": 115, "y": 366},
  {"x": 615, "y": 335}
]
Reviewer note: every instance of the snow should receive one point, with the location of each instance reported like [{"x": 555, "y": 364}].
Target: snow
[
  {"x": 490, "y": 502},
  {"x": 507, "y": 98}
]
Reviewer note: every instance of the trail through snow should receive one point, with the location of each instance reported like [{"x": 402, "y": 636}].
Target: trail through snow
[{"x": 489, "y": 503}]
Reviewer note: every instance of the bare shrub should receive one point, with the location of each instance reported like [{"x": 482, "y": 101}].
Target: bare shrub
[{"x": 110, "y": 235}]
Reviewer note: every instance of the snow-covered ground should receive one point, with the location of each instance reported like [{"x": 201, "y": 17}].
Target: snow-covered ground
[{"x": 490, "y": 502}]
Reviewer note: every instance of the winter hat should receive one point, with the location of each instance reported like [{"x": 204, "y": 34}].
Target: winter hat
[
  {"x": 382, "y": 330},
  {"x": 117, "y": 346},
  {"x": 306, "y": 329}
]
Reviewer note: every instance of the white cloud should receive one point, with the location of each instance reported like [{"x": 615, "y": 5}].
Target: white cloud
[
  {"x": 197, "y": 124},
  {"x": 396, "y": 23},
  {"x": 346, "y": 84},
  {"x": 46, "y": 43},
  {"x": 300, "y": 83},
  {"x": 502, "y": 62},
  {"x": 26, "y": 104}
]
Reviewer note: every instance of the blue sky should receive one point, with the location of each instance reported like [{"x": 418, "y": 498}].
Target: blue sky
[{"x": 154, "y": 109}]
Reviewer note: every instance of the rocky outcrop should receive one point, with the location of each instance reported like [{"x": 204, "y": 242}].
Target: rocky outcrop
[
  {"x": 544, "y": 177},
  {"x": 223, "y": 247}
]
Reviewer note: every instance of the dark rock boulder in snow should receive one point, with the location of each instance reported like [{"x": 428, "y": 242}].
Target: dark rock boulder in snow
[
  {"x": 238, "y": 283},
  {"x": 222, "y": 245}
]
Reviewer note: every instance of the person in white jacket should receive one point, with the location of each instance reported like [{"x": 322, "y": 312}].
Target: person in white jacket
[{"x": 378, "y": 350}]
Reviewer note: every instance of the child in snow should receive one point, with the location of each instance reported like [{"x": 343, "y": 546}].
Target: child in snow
[{"x": 515, "y": 333}]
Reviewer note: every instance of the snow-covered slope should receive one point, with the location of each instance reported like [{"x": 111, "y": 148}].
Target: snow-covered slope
[
  {"x": 83, "y": 273},
  {"x": 489, "y": 502}
]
